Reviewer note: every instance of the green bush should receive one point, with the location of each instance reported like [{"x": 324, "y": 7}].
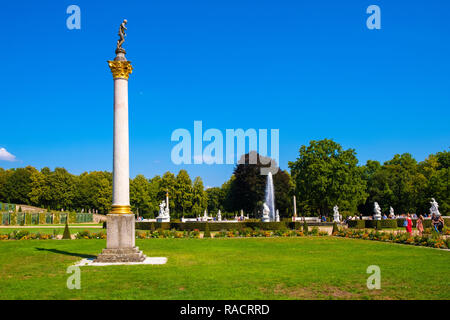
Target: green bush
[
  {"x": 56, "y": 218},
  {"x": 27, "y": 218},
  {"x": 389, "y": 223},
  {"x": 72, "y": 217},
  {"x": 13, "y": 218},
  {"x": 207, "y": 233},
  {"x": 357, "y": 224},
  {"x": 305, "y": 228},
  {"x": 215, "y": 226},
  {"x": 378, "y": 224},
  {"x": 66, "y": 234},
  {"x": 335, "y": 228},
  {"x": 42, "y": 217}
]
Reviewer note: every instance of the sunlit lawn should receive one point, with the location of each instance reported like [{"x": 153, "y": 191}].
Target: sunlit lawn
[{"x": 254, "y": 268}]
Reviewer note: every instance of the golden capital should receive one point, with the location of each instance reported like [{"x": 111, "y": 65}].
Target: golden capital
[
  {"x": 120, "y": 209},
  {"x": 120, "y": 69}
]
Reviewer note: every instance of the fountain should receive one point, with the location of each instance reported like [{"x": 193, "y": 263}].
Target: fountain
[{"x": 270, "y": 199}]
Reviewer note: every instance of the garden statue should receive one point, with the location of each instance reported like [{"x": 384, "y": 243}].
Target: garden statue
[
  {"x": 219, "y": 216},
  {"x": 391, "y": 212},
  {"x": 266, "y": 212},
  {"x": 377, "y": 211},
  {"x": 336, "y": 217},
  {"x": 164, "y": 213},
  {"x": 434, "y": 208},
  {"x": 277, "y": 216}
]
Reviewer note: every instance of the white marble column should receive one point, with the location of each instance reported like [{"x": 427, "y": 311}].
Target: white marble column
[
  {"x": 121, "y": 175},
  {"x": 121, "y": 68},
  {"x": 295, "y": 207},
  {"x": 167, "y": 200}
]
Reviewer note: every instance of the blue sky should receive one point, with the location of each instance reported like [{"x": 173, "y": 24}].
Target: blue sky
[{"x": 311, "y": 69}]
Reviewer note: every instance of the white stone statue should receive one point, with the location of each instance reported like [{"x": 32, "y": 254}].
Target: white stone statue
[
  {"x": 219, "y": 216},
  {"x": 266, "y": 212},
  {"x": 434, "y": 207},
  {"x": 336, "y": 216},
  {"x": 377, "y": 211},
  {"x": 277, "y": 216},
  {"x": 164, "y": 213},
  {"x": 162, "y": 207},
  {"x": 391, "y": 212}
]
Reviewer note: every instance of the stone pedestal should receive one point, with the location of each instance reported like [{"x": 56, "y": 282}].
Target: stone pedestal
[
  {"x": 162, "y": 219},
  {"x": 120, "y": 242}
]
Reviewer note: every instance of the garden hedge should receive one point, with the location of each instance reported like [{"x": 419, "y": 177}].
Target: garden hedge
[
  {"x": 357, "y": 224},
  {"x": 389, "y": 223},
  {"x": 43, "y": 218},
  {"x": 215, "y": 226}
]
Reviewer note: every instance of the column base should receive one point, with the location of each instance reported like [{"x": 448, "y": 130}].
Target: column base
[
  {"x": 120, "y": 240},
  {"x": 120, "y": 255}
]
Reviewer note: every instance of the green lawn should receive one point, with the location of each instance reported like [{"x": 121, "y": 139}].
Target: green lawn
[{"x": 262, "y": 268}]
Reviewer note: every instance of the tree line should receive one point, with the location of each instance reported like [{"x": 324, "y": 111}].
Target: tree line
[{"x": 323, "y": 175}]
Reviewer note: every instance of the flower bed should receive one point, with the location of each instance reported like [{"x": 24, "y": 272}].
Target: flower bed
[
  {"x": 432, "y": 240},
  {"x": 161, "y": 233}
]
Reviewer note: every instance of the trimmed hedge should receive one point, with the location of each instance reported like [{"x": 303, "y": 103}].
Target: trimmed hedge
[
  {"x": 357, "y": 224},
  {"x": 215, "y": 226},
  {"x": 43, "y": 218}
]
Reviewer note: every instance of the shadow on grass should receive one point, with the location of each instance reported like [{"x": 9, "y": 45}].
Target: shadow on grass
[{"x": 87, "y": 256}]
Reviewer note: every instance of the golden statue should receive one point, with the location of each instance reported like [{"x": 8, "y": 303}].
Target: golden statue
[{"x": 121, "y": 34}]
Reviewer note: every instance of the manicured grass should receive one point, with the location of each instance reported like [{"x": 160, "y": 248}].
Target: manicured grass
[
  {"x": 49, "y": 230},
  {"x": 262, "y": 268}
]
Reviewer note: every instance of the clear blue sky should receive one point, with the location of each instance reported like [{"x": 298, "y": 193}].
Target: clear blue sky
[{"x": 311, "y": 69}]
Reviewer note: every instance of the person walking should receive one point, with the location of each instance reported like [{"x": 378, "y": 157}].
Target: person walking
[
  {"x": 419, "y": 225},
  {"x": 409, "y": 224}
]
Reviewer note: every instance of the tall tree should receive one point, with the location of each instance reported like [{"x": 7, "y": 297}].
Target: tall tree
[
  {"x": 168, "y": 184},
  {"x": 140, "y": 199},
  {"x": 216, "y": 199},
  {"x": 326, "y": 175},
  {"x": 200, "y": 199},
  {"x": 183, "y": 192}
]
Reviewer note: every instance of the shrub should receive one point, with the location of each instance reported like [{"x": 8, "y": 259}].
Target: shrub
[
  {"x": 27, "y": 218},
  {"x": 378, "y": 224},
  {"x": 335, "y": 228},
  {"x": 56, "y": 218},
  {"x": 13, "y": 217},
  {"x": 42, "y": 219},
  {"x": 66, "y": 234},
  {"x": 389, "y": 223},
  {"x": 207, "y": 233},
  {"x": 305, "y": 228},
  {"x": 72, "y": 217},
  {"x": 356, "y": 224}
]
